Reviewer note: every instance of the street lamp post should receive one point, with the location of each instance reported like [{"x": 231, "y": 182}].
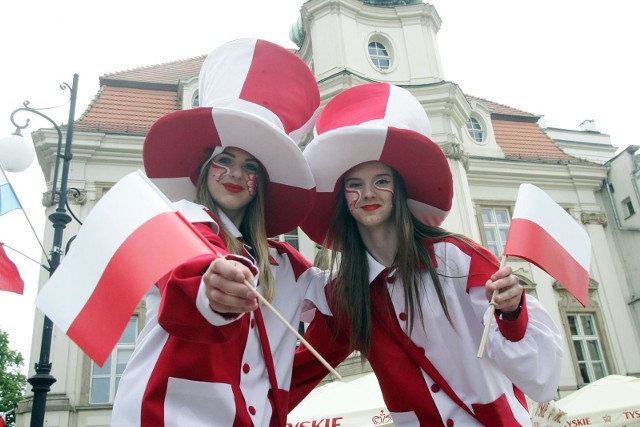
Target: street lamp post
[{"x": 42, "y": 380}]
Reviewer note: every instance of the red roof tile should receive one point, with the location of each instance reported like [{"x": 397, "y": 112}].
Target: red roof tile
[
  {"x": 126, "y": 110},
  {"x": 519, "y": 136},
  {"x": 526, "y": 141}
]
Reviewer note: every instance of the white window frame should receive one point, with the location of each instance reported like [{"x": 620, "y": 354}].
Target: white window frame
[
  {"x": 112, "y": 363},
  {"x": 292, "y": 237},
  {"x": 587, "y": 342},
  {"x": 476, "y": 128},
  {"x": 380, "y": 39},
  {"x": 627, "y": 207},
  {"x": 500, "y": 229}
]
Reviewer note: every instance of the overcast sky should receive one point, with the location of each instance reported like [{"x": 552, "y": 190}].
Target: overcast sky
[{"x": 568, "y": 60}]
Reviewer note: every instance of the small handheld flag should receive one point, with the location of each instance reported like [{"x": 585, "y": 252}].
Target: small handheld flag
[
  {"x": 544, "y": 234},
  {"x": 131, "y": 238}
]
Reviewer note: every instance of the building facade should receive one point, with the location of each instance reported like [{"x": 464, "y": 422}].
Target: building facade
[{"x": 492, "y": 149}]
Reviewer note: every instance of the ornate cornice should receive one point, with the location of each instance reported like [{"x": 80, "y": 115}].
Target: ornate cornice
[
  {"x": 455, "y": 151},
  {"x": 596, "y": 218}
]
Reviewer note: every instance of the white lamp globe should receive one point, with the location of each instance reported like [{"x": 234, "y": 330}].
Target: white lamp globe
[{"x": 16, "y": 153}]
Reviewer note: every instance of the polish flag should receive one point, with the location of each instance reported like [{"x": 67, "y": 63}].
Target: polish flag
[
  {"x": 131, "y": 238},
  {"x": 10, "y": 279},
  {"x": 544, "y": 234}
]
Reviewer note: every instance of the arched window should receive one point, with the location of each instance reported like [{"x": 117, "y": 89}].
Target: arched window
[
  {"x": 379, "y": 55},
  {"x": 476, "y": 132}
]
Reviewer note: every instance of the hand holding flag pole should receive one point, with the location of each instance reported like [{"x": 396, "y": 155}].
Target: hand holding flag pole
[
  {"x": 490, "y": 312},
  {"x": 267, "y": 304},
  {"x": 78, "y": 296},
  {"x": 544, "y": 234}
]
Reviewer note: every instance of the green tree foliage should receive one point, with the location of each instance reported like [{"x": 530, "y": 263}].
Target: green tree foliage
[{"x": 12, "y": 382}]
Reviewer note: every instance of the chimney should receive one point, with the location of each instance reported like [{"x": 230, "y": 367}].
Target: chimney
[
  {"x": 542, "y": 122},
  {"x": 588, "y": 126}
]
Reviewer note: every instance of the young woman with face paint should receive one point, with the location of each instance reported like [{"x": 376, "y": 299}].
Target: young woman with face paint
[
  {"x": 209, "y": 354},
  {"x": 409, "y": 295}
]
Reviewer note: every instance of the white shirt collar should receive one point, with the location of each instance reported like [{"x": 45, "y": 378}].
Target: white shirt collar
[{"x": 375, "y": 268}]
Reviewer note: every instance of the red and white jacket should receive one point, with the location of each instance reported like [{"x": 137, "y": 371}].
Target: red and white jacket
[
  {"x": 194, "y": 367},
  {"x": 432, "y": 376}
]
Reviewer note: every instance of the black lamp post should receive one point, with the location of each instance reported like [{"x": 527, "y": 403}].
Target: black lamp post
[{"x": 42, "y": 380}]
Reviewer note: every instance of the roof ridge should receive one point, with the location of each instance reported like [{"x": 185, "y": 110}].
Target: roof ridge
[
  {"x": 489, "y": 102},
  {"x": 146, "y": 67}
]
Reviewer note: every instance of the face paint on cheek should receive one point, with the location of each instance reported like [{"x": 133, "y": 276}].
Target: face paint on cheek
[
  {"x": 353, "y": 196},
  {"x": 384, "y": 189},
  {"x": 218, "y": 171},
  {"x": 252, "y": 184}
]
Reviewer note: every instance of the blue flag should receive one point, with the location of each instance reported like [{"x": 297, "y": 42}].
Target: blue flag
[{"x": 8, "y": 199}]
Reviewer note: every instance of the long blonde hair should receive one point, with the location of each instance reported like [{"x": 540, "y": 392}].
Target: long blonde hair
[{"x": 252, "y": 227}]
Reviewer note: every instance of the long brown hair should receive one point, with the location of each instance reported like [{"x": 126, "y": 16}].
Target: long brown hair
[
  {"x": 350, "y": 292},
  {"x": 252, "y": 227}
]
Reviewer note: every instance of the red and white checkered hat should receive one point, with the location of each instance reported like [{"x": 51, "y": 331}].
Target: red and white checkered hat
[
  {"x": 377, "y": 122},
  {"x": 257, "y": 96}
]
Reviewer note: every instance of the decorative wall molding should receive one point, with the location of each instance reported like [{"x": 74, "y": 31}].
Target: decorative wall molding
[
  {"x": 596, "y": 218},
  {"x": 455, "y": 151}
]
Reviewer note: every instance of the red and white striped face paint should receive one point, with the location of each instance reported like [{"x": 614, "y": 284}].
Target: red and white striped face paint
[
  {"x": 233, "y": 180},
  {"x": 248, "y": 168},
  {"x": 218, "y": 171},
  {"x": 369, "y": 193},
  {"x": 252, "y": 183},
  {"x": 354, "y": 194}
]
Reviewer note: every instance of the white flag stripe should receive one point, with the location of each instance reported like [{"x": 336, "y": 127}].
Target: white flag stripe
[
  {"x": 109, "y": 229},
  {"x": 536, "y": 206},
  {"x": 218, "y": 84}
]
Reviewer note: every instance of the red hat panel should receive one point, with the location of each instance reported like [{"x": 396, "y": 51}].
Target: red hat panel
[{"x": 264, "y": 78}]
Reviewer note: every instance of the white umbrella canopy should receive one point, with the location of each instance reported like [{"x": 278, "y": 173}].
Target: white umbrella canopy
[
  {"x": 355, "y": 403},
  {"x": 610, "y": 401}
]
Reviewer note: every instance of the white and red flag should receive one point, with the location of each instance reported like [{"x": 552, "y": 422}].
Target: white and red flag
[
  {"x": 131, "y": 238},
  {"x": 544, "y": 234}
]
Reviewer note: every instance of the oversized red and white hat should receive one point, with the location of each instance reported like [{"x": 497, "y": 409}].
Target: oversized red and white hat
[
  {"x": 377, "y": 122},
  {"x": 254, "y": 95}
]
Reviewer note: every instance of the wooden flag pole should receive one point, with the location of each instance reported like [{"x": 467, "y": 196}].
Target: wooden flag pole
[
  {"x": 489, "y": 318},
  {"x": 267, "y": 304}
]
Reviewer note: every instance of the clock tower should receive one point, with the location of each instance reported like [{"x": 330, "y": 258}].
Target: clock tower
[{"x": 352, "y": 42}]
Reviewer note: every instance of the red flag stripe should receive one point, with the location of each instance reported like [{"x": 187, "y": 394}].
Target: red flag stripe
[
  {"x": 531, "y": 242},
  {"x": 10, "y": 279},
  {"x": 163, "y": 241}
]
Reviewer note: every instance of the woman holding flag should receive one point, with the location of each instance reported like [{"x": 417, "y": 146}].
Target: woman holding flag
[
  {"x": 211, "y": 355},
  {"x": 409, "y": 295}
]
